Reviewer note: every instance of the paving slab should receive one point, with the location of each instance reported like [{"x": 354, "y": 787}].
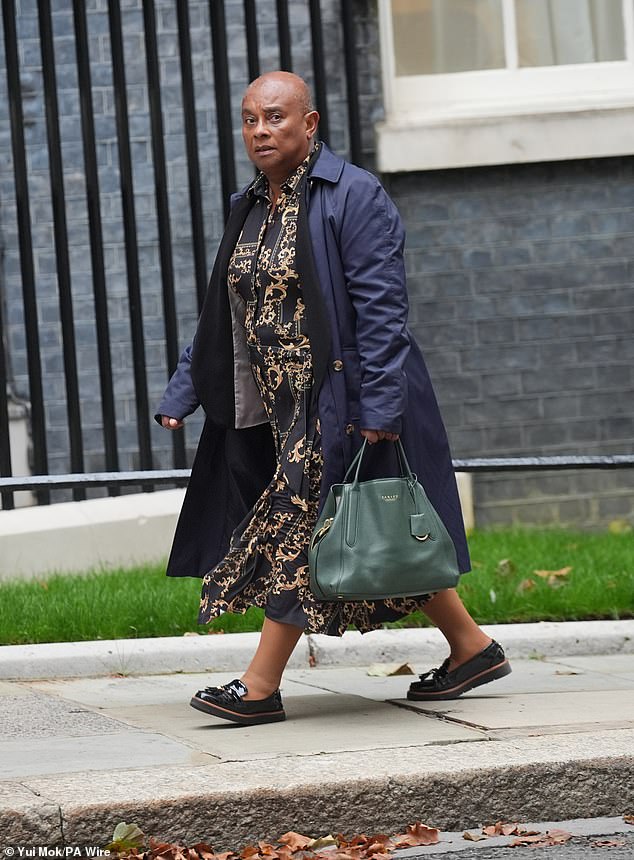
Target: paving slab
[
  {"x": 319, "y": 720},
  {"x": 12, "y": 689},
  {"x": 97, "y": 753},
  {"x": 34, "y": 714},
  {"x": 528, "y": 676},
  {"x": 103, "y": 693},
  {"x": 539, "y": 710},
  {"x": 317, "y": 724},
  {"x": 613, "y": 665}
]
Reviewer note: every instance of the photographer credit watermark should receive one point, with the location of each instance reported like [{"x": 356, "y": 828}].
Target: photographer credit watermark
[{"x": 16, "y": 852}]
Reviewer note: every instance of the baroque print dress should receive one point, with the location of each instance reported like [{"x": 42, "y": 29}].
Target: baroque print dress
[{"x": 267, "y": 564}]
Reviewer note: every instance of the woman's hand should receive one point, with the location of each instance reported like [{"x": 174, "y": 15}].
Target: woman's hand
[
  {"x": 171, "y": 423},
  {"x": 376, "y": 435}
]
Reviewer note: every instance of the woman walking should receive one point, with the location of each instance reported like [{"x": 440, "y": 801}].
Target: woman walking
[{"x": 302, "y": 351}]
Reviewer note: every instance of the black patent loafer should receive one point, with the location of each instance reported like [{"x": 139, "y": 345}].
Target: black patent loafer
[
  {"x": 227, "y": 702},
  {"x": 438, "y": 684}
]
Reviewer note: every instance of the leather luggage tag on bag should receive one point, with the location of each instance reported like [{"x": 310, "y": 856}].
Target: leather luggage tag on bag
[{"x": 418, "y": 526}]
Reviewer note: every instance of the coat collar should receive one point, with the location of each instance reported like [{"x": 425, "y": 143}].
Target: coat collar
[{"x": 328, "y": 166}]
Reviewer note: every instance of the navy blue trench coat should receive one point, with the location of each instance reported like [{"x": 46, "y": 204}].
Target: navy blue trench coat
[{"x": 368, "y": 371}]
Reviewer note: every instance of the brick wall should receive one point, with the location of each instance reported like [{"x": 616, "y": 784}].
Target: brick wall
[{"x": 522, "y": 298}]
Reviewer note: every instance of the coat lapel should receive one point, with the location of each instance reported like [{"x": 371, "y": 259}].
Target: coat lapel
[
  {"x": 212, "y": 356},
  {"x": 316, "y": 314}
]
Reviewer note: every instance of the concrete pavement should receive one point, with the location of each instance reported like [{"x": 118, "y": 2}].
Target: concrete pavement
[{"x": 554, "y": 739}]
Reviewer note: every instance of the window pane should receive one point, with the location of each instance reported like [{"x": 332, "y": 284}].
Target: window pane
[
  {"x": 438, "y": 36},
  {"x": 563, "y": 32}
]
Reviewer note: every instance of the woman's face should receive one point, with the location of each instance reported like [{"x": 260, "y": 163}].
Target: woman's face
[{"x": 277, "y": 132}]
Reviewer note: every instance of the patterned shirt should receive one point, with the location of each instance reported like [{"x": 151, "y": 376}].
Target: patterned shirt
[{"x": 262, "y": 267}]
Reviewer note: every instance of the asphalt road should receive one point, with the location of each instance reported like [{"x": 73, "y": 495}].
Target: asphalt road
[
  {"x": 578, "y": 848},
  {"x": 591, "y": 838}
]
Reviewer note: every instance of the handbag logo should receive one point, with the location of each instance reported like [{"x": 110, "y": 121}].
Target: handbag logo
[{"x": 390, "y": 498}]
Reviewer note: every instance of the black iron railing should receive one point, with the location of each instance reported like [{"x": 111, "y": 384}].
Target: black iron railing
[
  {"x": 180, "y": 477},
  {"x": 35, "y": 389}
]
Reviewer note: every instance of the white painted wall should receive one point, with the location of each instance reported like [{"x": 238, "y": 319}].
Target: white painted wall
[
  {"x": 80, "y": 536},
  {"x": 76, "y": 537},
  {"x": 20, "y": 443}
]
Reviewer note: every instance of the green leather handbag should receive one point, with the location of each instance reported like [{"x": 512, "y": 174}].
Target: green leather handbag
[{"x": 379, "y": 539}]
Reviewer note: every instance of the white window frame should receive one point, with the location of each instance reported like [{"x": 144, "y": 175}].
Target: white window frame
[{"x": 501, "y": 116}]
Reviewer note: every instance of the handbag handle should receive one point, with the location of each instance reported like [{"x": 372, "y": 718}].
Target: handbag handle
[{"x": 355, "y": 466}]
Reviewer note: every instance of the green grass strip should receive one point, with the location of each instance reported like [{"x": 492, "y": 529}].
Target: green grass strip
[{"x": 503, "y": 587}]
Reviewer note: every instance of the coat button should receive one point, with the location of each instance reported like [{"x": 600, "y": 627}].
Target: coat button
[
  {"x": 337, "y": 364},
  {"x": 349, "y": 429}
]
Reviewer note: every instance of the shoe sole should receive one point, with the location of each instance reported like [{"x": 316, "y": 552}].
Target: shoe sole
[
  {"x": 484, "y": 677},
  {"x": 235, "y": 716}
]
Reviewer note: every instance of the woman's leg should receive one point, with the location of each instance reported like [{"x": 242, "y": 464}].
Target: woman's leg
[
  {"x": 277, "y": 643},
  {"x": 465, "y": 638}
]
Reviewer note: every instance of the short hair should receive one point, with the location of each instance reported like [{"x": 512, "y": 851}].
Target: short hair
[{"x": 302, "y": 90}]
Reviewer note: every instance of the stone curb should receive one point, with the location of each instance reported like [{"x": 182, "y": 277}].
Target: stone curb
[
  {"x": 233, "y": 803},
  {"x": 227, "y": 652}
]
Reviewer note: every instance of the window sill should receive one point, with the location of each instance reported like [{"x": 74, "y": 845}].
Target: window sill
[{"x": 505, "y": 134}]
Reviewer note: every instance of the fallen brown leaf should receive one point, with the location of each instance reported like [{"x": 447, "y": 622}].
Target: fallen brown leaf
[
  {"x": 553, "y": 577},
  {"x": 628, "y": 819},
  {"x": 166, "y": 851},
  {"x": 206, "y": 852},
  {"x": 473, "y": 837},
  {"x": 550, "y": 837},
  {"x": 546, "y": 574},
  {"x": 379, "y": 845},
  {"x": 525, "y": 585},
  {"x": 322, "y": 842},
  {"x": 157, "y": 846},
  {"x": 358, "y": 841},
  {"x": 417, "y": 834},
  {"x": 386, "y": 670},
  {"x": 349, "y": 854},
  {"x": 501, "y": 828},
  {"x": 293, "y": 846},
  {"x": 567, "y": 672},
  {"x": 537, "y": 839},
  {"x": 558, "y": 837},
  {"x": 505, "y": 566},
  {"x": 609, "y": 843}
]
